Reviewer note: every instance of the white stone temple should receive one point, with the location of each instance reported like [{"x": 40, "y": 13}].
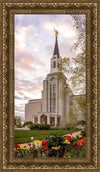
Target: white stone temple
[{"x": 54, "y": 106}]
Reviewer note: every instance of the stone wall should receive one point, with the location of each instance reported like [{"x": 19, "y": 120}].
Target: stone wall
[{"x": 32, "y": 109}]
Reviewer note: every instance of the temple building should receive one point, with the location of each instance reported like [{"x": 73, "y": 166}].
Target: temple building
[{"x": 54, "y": 106}]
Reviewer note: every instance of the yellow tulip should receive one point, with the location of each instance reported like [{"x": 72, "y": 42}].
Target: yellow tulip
[
  {"x": 37, "y": 141},
  {"x": 22, "y": 147},
  {"x": 56, "y": 148},
  {"x": 80, "y": 136},
  {"x": 67, "y": 142}
]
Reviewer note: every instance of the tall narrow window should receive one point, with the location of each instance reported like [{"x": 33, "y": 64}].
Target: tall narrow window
[
  {"x": 53, "y": 97},
  {"x": 54, "y": 104},
  {"x": 54, "y": 64}
]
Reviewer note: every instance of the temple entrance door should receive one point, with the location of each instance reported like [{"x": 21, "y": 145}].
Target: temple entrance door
[
  {"x": 43, "y": 119},
  {"x": 52, "y": 121}
]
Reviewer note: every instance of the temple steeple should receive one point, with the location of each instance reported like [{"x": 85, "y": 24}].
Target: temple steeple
[
  {"x": 56, "y": 56},
  {"x": 56, "y": 49}
]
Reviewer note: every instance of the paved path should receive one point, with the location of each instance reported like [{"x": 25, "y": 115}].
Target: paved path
[
  {"x": 73, "y": 135},
  {"x": 24, "y": 128}
]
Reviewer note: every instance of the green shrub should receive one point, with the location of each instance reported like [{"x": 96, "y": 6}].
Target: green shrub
[
  {"x": 81, "y": 122},
  {"x": 28, "y": 123},
  {"x": 70, "y": 154},
  {"x": 83, "y": 152},
  {"x": 70, "y": 126},
  {"x": 39, "y": 127},
  {"x": 34, "y": 127},
  {"x": 55, "y": 128},
  {"x": 55, "y": 140},
  {"x": 19, "y": 125}
]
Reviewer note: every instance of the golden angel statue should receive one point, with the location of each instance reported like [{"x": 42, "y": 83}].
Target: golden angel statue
[{"x": 56, "y": 33}]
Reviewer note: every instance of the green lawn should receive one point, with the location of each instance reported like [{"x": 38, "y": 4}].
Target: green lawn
[{"x": 24, "y": 136}]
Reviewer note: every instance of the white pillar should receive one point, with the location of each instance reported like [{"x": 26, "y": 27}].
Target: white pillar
[
  {"x": 59, "y": 122},
  {"x": 48, "y": 119},
  {"x": 38, "y": 119},
  {"x": 55, "y": 121},
  {"x": 33, "y": 120}
]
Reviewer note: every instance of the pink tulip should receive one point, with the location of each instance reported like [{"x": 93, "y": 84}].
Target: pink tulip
[{"x": 44, "y": 133}]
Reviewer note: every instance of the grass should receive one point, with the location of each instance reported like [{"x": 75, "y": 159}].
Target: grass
[{"x": 24, "y": 136}]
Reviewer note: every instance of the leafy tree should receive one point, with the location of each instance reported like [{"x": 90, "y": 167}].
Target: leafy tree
[
  {"x": 18, "y": 122},
  {"x": 79, "y": 105},
  {"x": 75, "y": 68},
  {"x": 73, "y": 115},
  {"x": 79, "y": 73},
  {"x": 82, "y": 104}
]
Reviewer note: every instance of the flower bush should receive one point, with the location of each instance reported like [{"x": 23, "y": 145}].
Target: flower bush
[{"x": 54, "y": 146}]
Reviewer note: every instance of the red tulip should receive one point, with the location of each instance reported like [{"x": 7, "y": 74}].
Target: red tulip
[
  {"x": 17, "y": 146},
  {"x": 78, "y": 144},
  {"x": 44, "y": 143},
  {"x": 29, "y": 144},
  {"x": 45, "y": 148},
  {"x": 68, "y": 137},
  {"x": 81, "y": 142},
  {"x": 70, "y": 133}
]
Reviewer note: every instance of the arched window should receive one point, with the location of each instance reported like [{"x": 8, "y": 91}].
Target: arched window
[
  {"x": 52, "y": 79},
  {"x": 54, "y": 64}
]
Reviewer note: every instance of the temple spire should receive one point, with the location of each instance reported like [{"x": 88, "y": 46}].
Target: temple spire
[
  {"x": 56, "y": 49},
  {"x": 55, "y": 60}
]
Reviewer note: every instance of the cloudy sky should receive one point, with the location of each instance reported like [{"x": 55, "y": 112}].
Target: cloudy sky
[{"x": 34, "y": 46}]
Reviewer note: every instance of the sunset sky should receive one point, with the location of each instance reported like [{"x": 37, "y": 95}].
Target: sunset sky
[{"x": 34, "y": 46}]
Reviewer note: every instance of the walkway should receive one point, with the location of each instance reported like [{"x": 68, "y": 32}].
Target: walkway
[{"x": 74, "y": 134}]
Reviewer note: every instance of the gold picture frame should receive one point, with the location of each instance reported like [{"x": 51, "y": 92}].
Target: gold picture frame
[{"x": 8, "y": 9}]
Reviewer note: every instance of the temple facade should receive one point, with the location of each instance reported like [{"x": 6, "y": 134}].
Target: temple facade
[{"x": 54, "y": 106}]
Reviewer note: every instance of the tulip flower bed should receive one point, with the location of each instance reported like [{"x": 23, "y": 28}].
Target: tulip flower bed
[{"x": 53, "y": 146}]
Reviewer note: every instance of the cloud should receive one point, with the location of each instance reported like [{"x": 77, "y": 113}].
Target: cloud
[
  {"x": 27, "y": 38},
  {"x": 64, "y": 27},
  {"x": 27, "y": 90},
  {"x": 17, "y": 97}
]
